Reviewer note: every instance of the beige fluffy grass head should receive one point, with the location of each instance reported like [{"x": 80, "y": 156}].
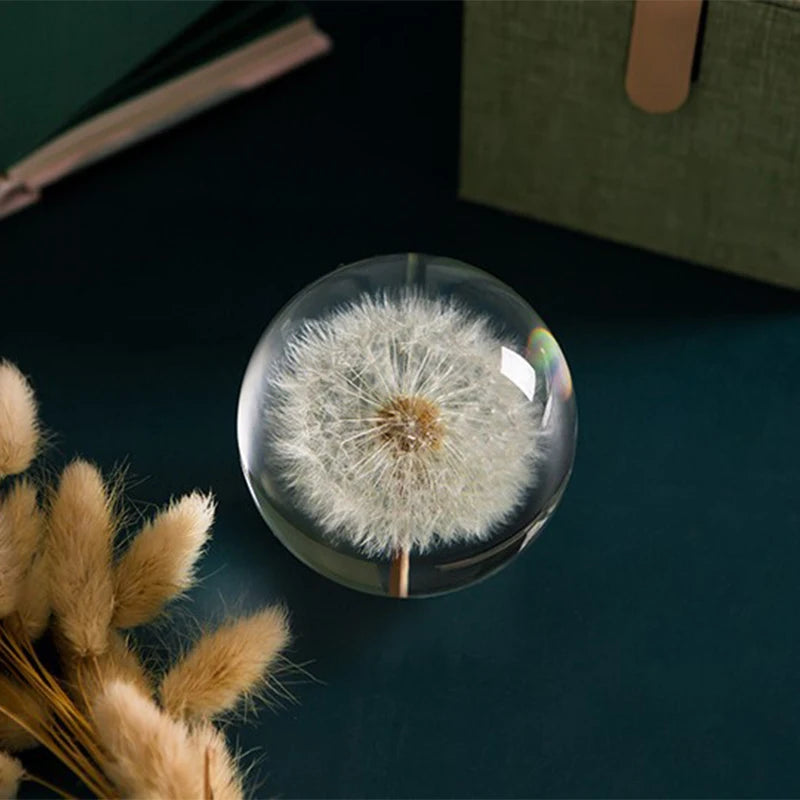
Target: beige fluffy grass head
[
  {"x": 20, "y": 533},
  {"x": 160, "y": 562},
  {"x": 154, "y": 756},
  {"x": 150, "y": 755},
  {"x": 11, "y": 773},
  {"x": 81, "y": 531},
  {"x": 225, "y": 665},
  {"x": 88, "y": 677},
  {"x": 33, "y": 605},
  {"x": 19, "y": 426},
  {"x": 222, "y": 776}
]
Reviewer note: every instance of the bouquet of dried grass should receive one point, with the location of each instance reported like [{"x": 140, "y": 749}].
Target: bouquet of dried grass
[{"x": 122, "y": 730}]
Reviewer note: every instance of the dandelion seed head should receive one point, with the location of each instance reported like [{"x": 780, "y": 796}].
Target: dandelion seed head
[
  {"x": 392, "y": 425},
  {"x": 410, "y": 424}
]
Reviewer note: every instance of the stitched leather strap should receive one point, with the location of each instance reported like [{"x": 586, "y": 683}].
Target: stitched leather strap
[{"x": 663, "y": 41}]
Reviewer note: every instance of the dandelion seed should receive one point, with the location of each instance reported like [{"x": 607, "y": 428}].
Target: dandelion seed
[{"x": 394, "y": 427}]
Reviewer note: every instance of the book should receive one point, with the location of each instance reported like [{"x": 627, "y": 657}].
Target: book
[{"x": 82, "y": 80}]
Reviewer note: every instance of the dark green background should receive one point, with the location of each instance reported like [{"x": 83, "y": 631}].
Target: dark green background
[{"x": 645, "y": 645}]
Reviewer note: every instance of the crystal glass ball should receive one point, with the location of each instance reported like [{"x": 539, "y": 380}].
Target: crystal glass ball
[{"x": 407, "y": 425}]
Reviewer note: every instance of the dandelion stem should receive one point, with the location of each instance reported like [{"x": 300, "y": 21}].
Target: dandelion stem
[{"x": 398, "y": 574}]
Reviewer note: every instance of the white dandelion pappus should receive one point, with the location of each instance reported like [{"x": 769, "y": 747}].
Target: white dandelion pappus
[{"x": 394, "y": 427}]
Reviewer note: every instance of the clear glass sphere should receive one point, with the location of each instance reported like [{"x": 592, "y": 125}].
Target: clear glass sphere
[{"x": 407, "y": 425}]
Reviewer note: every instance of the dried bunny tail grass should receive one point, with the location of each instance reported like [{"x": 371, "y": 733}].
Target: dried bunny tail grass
[
  {"x": 20, "y": 533},
  {"x": 79, "y": 558},
  {"x": 225, "y": 665},
  {"x": 33, "y": 605},
  {"x": 19, "y": 426},
  {"x": 149, "y": 754},
  {"x": 21, "y": 703},
  {"x": 66, "y": 732},
  {"x": 88, "y": 676},
  {"x": 11, "y": 773},
  {"x": 160, "y": 562},
  {"x": 221, "y": 775}
]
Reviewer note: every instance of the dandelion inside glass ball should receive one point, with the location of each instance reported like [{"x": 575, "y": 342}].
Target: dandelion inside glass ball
[{"x": 407, "y": 425}]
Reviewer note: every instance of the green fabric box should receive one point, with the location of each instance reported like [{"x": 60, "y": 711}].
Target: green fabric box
[{"x": 548, "y": 131}]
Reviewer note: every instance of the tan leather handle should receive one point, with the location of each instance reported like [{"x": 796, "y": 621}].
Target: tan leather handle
[{"x": 662, "y": 48}]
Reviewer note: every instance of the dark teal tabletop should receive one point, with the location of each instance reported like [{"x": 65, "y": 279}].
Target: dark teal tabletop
[{"x": 645, "y": 645}]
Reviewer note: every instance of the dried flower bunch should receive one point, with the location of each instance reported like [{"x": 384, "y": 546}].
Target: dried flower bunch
[
  {"x": 122, "y": 730},
  {"x": 395, "y": 427}
]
